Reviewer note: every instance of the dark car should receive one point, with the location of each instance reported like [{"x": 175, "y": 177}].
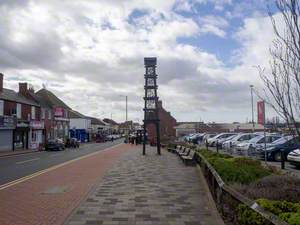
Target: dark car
[
  {"x": 55, "y": 145},
  {"x": 285, "y": 144}
]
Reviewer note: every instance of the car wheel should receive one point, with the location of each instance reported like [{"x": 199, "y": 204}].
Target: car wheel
[{"x": 277, "y": 156}]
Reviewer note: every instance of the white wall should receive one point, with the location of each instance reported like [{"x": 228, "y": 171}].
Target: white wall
[{"x": 80, "y": 123}]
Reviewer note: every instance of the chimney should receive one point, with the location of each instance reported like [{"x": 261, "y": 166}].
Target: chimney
[
  {"x": 23, "y": 88},
  {"x": 1, "y": 82}
]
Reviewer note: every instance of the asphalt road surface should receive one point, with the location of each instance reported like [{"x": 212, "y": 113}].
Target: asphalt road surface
[{"x": 18, "y": 166}]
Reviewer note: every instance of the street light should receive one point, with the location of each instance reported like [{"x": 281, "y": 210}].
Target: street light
[
  {"x": 126, "y": 111},
  {"x": 251, "y": 88}
]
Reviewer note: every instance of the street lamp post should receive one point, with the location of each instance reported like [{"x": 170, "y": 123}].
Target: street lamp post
[
  {"x": 126, "y": 116},
  {"x": 251, "y": 88}
]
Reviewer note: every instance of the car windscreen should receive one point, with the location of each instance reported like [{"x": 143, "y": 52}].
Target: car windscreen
[
  {"x": 282, "y": 140},
  {"x": 256, "y": 139}
]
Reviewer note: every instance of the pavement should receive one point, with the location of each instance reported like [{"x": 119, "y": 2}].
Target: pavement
[
  {"x": 17, "y": 166},
  {"x": 148, "y": 190},
  {"x": 48, "y": 196}
]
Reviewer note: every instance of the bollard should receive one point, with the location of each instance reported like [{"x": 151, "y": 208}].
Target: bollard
[
  {"x": 217, "y": 145},
  {"x": 282, "y": 160},
  {"x": 206, "y": 143}
]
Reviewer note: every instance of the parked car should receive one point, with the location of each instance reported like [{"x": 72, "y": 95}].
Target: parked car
[
  {"x": 72, "y": 143},
  {"x": 213, "y": 141},
  {"x": 208, "y": 136},
  {"x": 294, "y": 157},
  {"x": 238, "y": 139},
  {"x": 197, "y": 138},
  {"x": 256, "y": 142},
  {"x": 55, "y": 145},
  {"x": 222, "y": 140},
  {"x": 285, "y": 144}
]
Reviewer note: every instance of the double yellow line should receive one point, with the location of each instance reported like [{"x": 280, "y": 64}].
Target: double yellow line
[{"x": 20, "y": 180}]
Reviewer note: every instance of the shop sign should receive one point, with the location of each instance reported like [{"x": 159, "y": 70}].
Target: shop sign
[
  {"x": 22, "y": 124},
  {"x": 59, "y": 112},
  {"x": 37, "y": 124},
  {"x": 7, "y": 121}
]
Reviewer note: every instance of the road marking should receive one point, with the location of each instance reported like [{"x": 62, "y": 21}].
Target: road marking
[
  {"x": 22, "y": 154},
  {"x": 20, "y": 180},
  {"x": 55, "y": 154},
  {"x": 26, "y": 161}
]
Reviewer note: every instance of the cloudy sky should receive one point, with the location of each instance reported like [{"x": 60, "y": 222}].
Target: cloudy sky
[{"x": 90, "y": 53}]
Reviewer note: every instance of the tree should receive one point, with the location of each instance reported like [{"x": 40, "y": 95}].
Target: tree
[{"x": 282, "y": 84}]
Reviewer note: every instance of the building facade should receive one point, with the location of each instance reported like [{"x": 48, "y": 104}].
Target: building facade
[
  {"x": 167, "y": 125},
  {"x": 80, "y": 126},
  {"x": 19, "y": 117},
  {"x": 56, "y": 114}
]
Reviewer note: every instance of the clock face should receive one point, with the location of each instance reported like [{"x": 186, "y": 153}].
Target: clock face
[
  {"x": 150, "y": 93},
  {"x": 150, "y": 104},
  {"x": 150, "y": 82},
  {"x": 150, "y": 71}
]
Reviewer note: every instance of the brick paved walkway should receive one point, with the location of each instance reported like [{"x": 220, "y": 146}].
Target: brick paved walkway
[
  {"x": 148, "y": 190},
  {"x": 49, "y": 198}
]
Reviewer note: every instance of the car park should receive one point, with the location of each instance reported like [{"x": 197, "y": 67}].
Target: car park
[
  {"x": 208, "y": 136},
  {"x": 256, "y": 143},
  {"x": 283, "y": 145},
  {"x": 55, "y": 145},
  {"x": 232, "y": 143},
  {"x": 294, "y": 157},
  {"x": 213, "y": 141},
  {"x": 221, "y": 140}
]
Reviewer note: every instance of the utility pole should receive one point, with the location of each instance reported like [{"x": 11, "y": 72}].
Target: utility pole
[
  {"x": 126, "y": 108},
  {"x": 251, "y": 88}
]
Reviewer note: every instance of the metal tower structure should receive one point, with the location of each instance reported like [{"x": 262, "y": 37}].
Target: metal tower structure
[{"x": 151, "y": 101}]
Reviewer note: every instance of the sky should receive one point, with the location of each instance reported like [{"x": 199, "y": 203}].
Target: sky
[{"x": 90, "y": 53}]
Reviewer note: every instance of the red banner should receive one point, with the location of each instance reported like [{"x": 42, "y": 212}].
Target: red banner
[{"x": 261, "y": 112}]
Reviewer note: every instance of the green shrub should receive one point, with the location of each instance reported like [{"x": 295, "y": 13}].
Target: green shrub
[
  {"x": 247, "y": 216},
  {"x": 274, "y": 187},
  {"x": 236, "y": 170},
  {"x": 287, "y": 211},
  {"x": 171, "y": 145}
]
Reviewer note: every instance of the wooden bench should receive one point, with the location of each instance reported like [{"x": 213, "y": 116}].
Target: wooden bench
[
  {"x": 187, "y": 152},
  {"x": 189, "y": 159}
]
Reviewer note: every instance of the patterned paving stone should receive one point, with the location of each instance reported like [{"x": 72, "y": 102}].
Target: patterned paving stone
[{"x": 148, "y": 190}]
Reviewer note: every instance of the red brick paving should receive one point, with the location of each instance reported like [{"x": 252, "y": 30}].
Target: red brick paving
[{"x": 26, "y": 204}]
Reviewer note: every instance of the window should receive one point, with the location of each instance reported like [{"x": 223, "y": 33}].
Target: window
[
  {"x": 33, "y": 112},
  {"x": 19, "y": 111},
  {"x": 1, "y": 107},
  {"x": 49, "y": 114},
  {"x": 43, "y": 113}
]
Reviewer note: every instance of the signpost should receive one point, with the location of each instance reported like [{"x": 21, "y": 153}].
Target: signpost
[{"x": 261, "y": 116}]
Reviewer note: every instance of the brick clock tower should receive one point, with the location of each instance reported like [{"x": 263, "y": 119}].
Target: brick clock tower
[{"x": 151, "y": 101}]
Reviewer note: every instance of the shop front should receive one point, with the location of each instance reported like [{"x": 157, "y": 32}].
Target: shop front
[
  {"x": 61, "y": 128},
  {"x": 7, "y": 126},
  {"x": 20, "y": 136},
  {"x": 36, "y": 134}
]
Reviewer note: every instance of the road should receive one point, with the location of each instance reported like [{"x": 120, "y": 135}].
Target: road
[{"x": 18, "y": 166}]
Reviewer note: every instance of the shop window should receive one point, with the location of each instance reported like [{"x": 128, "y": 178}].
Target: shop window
[
  {"x": 33, "y": 136},
  {"x": 33, "y": 112},
  {"x": 1, "y": 107},
  {"x": 43, "y": 113},
  {"x": 19, "y": 111},
  {"x": 49, "y": 114}
]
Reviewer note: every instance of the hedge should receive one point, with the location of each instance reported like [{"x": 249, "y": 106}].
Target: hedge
[{"x": 287, "y": 211}]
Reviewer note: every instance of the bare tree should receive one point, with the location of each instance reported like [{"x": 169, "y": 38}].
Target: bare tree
[{"x": 282, "y": 84}]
